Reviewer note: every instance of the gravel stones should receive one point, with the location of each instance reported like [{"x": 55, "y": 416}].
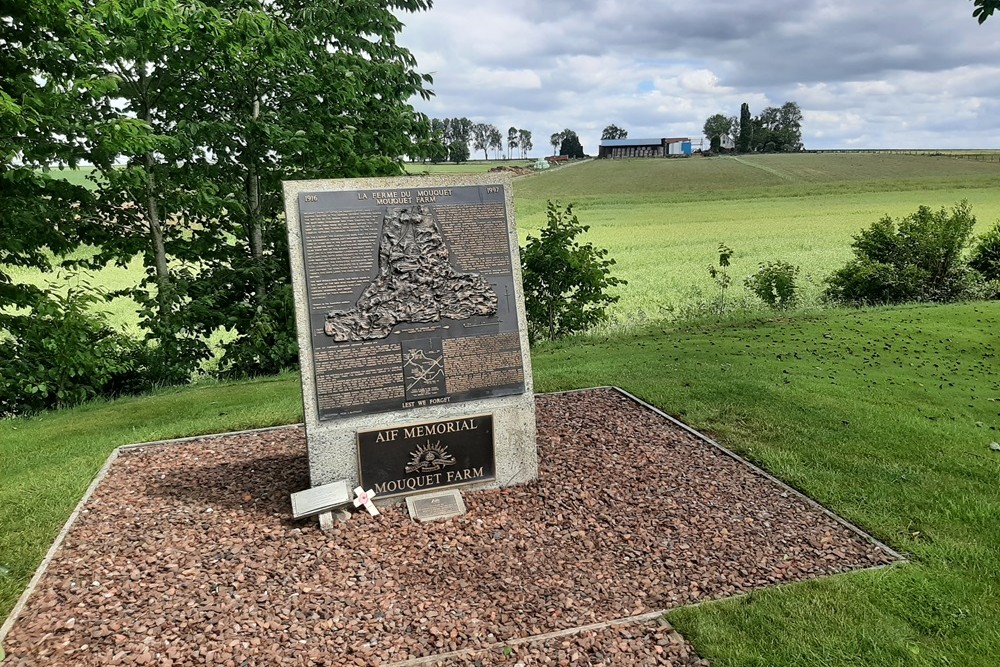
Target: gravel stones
[{"x": 187, "y": 554}]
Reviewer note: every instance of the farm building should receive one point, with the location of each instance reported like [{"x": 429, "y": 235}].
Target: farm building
[{"x": 619, "y": 148}]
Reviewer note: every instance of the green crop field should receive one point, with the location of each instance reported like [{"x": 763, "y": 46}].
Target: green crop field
[{"x": 662, "y": 220}]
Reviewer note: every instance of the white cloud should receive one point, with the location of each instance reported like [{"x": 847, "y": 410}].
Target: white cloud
[{"x": 916, "y": 73}]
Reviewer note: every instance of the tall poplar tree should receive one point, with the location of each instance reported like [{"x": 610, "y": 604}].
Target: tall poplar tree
[{"x": 746, "y": 129}]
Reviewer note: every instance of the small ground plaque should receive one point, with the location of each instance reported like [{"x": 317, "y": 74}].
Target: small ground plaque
[
  {"x": 419, "y": 457},
  {"x": 435, "y": 506},
  {"x": 320, "y": 499}
]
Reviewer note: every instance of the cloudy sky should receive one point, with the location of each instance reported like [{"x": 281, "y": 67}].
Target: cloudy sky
[{"x": 867, "y": 74}]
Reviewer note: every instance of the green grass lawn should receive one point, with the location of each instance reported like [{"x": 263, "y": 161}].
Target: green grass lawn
[{"x": 883, "y": 415}]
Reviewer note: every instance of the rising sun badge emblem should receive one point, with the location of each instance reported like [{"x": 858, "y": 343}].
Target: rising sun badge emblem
[{"x": 429, "y": 458}]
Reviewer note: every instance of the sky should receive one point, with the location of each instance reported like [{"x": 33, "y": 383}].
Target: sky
[{"x": 866, "y": 74}]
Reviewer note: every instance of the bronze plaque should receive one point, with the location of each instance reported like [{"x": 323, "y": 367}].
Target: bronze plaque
[
  {"x": 403, "y": 460},
  {"x": 411, "y": 297}
]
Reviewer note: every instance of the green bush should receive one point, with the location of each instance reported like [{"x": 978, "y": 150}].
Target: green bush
[
  {"x": 565, "y": 283},
  {"x": 986, "y": 254},
  {"x": 774, "y": 284},
  {"x": 917, "y": 259},
  {"x": 63, "y": 355}
]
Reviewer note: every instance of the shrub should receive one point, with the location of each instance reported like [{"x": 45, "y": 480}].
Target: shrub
[
  {"x": 565, "y": 283},
  {"x": 721, "y": 276},
  {"x": 917, "y": 259},
  {"x": 63, "y": 355},
  {"x": 774, "y": 284},
  {"x": 986, "y": 254}
]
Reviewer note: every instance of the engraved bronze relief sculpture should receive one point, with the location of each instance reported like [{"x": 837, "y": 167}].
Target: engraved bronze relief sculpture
[{"x": 415, "y": 283}]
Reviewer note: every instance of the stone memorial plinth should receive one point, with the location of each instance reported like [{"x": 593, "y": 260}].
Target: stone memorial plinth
[{"x": 413, "y": 345}]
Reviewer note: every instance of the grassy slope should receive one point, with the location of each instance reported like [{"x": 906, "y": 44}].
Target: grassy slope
[
  {"x": 883, "y": 415},
  {"x": 662, "y": 220}
]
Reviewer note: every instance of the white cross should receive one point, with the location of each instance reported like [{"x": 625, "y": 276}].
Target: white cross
[{"x": 365, "y": 498}]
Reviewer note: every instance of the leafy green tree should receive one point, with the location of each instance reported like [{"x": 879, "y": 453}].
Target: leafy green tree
[
  {"x": 152, "y": 48},
  {"x": 458, "y": 151},
  {"x": 512, "y": 140},
  {"x": 524, "y": 141},
  {"x": 570, "y": 144},
  {"x": 614, "y": 132},
  {"x": 481, "y": 138},
  {"x": 984, "y": 9},
  {"x": 715, "y": 128},
  {"x": 746, "y": 129},
  {"x": 777, "y": 129},
  {"x": 556, "y": 140},
  {"x": 47, "y": 91},
  {"x": 213, "y": 107},
  {"x": 496, "y": 140},
  {"x": 295, "y": 89},
  {"x": 918, "y": 258},
  {"x": 565, "y": 284}
]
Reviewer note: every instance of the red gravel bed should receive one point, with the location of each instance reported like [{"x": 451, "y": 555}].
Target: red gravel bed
[{"x": 187, "y": 554}]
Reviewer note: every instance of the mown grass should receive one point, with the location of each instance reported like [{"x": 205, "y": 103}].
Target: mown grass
[{"x": 884, "y": 415}]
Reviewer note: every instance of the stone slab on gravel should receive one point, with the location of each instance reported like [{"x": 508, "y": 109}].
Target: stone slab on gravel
[{"x": 187, "y": 554}]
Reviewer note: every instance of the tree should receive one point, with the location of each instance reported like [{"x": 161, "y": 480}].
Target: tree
[
  {"x": 524, "y": 141},
  {"x": 746, "y": 129},
  {"x": 228, "y": 102},
  {"x": 46, "y": 112},
  {"x": 778, "y": 129},
  {"x": 461, "y": 130},
  {"x": 984, "y": 9},
  {"x": 481, "y": 138},
  {"x": 565, "y": 284},
  {"x": 556, "y": 141},
  {"x": 297, "y": 89},
  {"x": 734, "y": 130},
  {"x": 496, "y": 140},
  {"x": 570, "y": 145},
  {"x": 715, "y": 128},
  {"x": 614, "y": 132},
  {"x": 153, "y": 50},
  {"x": 512, "y": 140},
  {"x": 458, "y": 151}
]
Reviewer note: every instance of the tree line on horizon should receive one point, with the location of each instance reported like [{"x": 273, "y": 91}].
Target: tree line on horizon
[
  {"x": 450, "y": 139},
  {"x": 774, "y": 130}
]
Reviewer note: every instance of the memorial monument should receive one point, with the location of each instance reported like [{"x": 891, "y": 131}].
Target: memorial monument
[{"x": 413, "y": 348}]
